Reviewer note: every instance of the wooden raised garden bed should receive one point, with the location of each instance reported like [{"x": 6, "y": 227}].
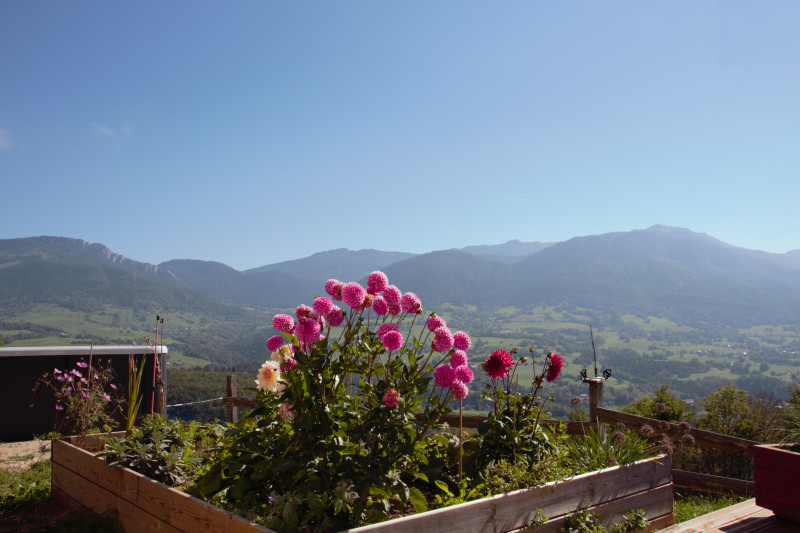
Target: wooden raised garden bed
[
  {"x": 141, "y": 504},
  {"x": 777, "y": 477}
]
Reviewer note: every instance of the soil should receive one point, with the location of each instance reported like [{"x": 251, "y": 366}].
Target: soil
[{"x": 17, "y": 457}]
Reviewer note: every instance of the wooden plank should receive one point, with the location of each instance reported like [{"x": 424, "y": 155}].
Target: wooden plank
[
  {"x": 710, "y": 483},
  {"x": 507, "y": 512},
  {"x": 82, "y": 490},
  {"x": 741, "y": 517},
  {"x": 119, "y": 481},
  {"x": 702, "y": 438}
]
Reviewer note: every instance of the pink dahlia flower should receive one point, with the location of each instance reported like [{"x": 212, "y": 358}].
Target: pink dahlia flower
[
  {"x": 385, "y": 328},
  {"x": 392, "y": 295},
  {"x": 353, "y": 294},
  {"x": 307, "y": 330},
  {"x": 443, "y": 376},
  {"x": 380, "y": 306},
  {"x": 459, "y": 389},
  {"x": 435, "y": 322},
  {"x": 334, "y": 288},
  {"x": 556, "y": 364},
  {"x": 289, "y": 363},
  {"x": 442, "y": 340},
  {"x": 498, "y": 364},
  {"x": 463, "y": 374},
  {"x": 335, "y": 317},
  {"x": 274, "y": 343},
  {"x": 410, "y": 303},
  {"x": 394, "y": 309},
  {"x": 323, "y": 305},
  {"x": 376, "y": 282},
  {"x": 461, "y": 340},
  {"x": 458, "y": 358},
  {"x": 303, "y": 311},
  {"x": 391, "y": 398},
  {"x": 393, "y": 340},
  {"x": 283, "y": 323}
]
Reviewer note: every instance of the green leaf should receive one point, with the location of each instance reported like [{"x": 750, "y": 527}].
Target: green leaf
[
  {"x": 443, "y": 487},
  {"x": 418, "y": 500},
  {"x": 420, "y": 475}
]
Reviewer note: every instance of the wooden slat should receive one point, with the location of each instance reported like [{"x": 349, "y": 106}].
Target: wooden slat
[
  {"x": 710, "y": 483},
  {"x": 744, "y": 517},
  {"x": 512, "y": 511},
  {"x": 702, "y": 438}
]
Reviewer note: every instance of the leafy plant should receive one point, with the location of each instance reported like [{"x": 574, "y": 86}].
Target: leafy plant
[
  {"x": 592, "y": 451},
  {"x": 25, "y": 489},
  {"x": 586, "y": 521},
  {"x": 168, "y": 451}
]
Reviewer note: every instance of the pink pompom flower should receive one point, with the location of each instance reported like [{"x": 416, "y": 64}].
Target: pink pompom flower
[
  {"x": 443, "y": 376},
  {"x": 353, "y": 294},
  {"x": 392, "y": 340},
  {"x": 463, "y": 374},
  {"x": 274, "y": 343},
  {"x": 435, "y": 322},
  {"x": 323, "y": 305},
  {"x": 380, "y": 306},
  {"x": 391, "y": 398},
  {"x": 459, "y": 389},
  {"x": 376, "y": 282},
  {"x": 307, "y": 330},
  {"x": 334, "y": 288},
  {"x": 461, "y": 340},
  {"x": 458, "y": 358},
  {"x": 410, "y": 303},
  {"x": 335, "y": 317},
  {"x": 442, "y": 340},
  {"x": 392, "y": 295},
  {"x": 284, "y": 323},
  {"x": 385, "y": 328},
  {"x": 303, "y": 311}
]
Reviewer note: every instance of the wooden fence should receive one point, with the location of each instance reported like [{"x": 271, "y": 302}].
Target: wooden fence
[{"x": 599, "y": 416}]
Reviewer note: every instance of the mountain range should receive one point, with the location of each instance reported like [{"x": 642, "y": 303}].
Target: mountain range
[{"x": 661, "y": 271}]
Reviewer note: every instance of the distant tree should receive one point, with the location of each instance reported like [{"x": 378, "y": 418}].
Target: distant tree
[
  {"x": 662, "y": 406},
  {"x": 793, "y": 414}
]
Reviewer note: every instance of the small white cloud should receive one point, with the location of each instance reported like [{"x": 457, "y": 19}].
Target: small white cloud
[
  {"x": 103, "y": 130},
  {"x": 5, "y": 139}
]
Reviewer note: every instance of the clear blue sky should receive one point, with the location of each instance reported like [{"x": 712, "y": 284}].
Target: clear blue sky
[{"x": 251, "y": 132}]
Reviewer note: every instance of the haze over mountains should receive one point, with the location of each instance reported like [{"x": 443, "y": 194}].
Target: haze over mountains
[{"x": 661, "y": 271}]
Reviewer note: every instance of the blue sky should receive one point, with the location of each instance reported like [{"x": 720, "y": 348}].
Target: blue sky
[{"x": 252, "y": 132}]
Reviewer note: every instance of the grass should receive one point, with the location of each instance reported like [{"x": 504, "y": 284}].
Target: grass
[
  {"x": 19, "y": 490},
  {"x": 693, "y": 505}
]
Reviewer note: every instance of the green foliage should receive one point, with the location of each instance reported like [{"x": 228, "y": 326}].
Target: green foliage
[
  {"x": 793, "y": 414},
  {"x": 692, "y": 505},
  {"x": 586, "y": 521},
  {"x": 661, "y": 406},
  {"x": 168, "y": 451},
  {"x": 25, "y": 489},
  {"x": 588, "y": 452}
]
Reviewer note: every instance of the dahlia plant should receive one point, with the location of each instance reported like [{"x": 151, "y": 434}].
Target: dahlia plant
[{"x": 353, "y": 386}]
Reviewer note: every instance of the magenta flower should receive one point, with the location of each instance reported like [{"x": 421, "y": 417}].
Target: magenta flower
[
  {"x": 435, "y": 322},
  {"x": 392, "y": 295},
  {"x": 59, "y": 407},
  {"x": 113, "y": 387},
  {"x": 307, "y": 330},
  {"x": 394, "y": 309},
  {"x": 283, "y": 323},
  {"x": 458, "y": 358},
  {"x": 442, "y": 340},
  {"x": 458, "y": 389},
  {"x": 274, "y": 343},
  {"x": 380, "y": 306},
  {"x": 391, "y": 398},
  {"x": 289, "y": 363},
  {"x": 393, "y": 340},
  {"x": 353, "y": 294},
  {"x": 498, "y": 364},
  {"x": 385, "y": 328},
  {"x": 410, "y": 303},
  {"x": 303, "y": 311},
  {"x": 463, "y": 374},
  {"x": 376, "y": 282},
  {"x": 323, "y": 305},
  {"x": 461, "y": 340},
  {"x": 334, "y": 288},
  {"x": 335, "y": 317},
  {"x": 81, "y": 364},
  {"x": 443, "y": 376},
  {"x": 556, "y": 364}
]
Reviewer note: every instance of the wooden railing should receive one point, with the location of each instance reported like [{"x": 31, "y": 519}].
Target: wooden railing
[{"x": 599, "y": 416}]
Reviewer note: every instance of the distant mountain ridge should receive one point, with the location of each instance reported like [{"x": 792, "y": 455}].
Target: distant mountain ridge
[{"x": 660, "y": 271}]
